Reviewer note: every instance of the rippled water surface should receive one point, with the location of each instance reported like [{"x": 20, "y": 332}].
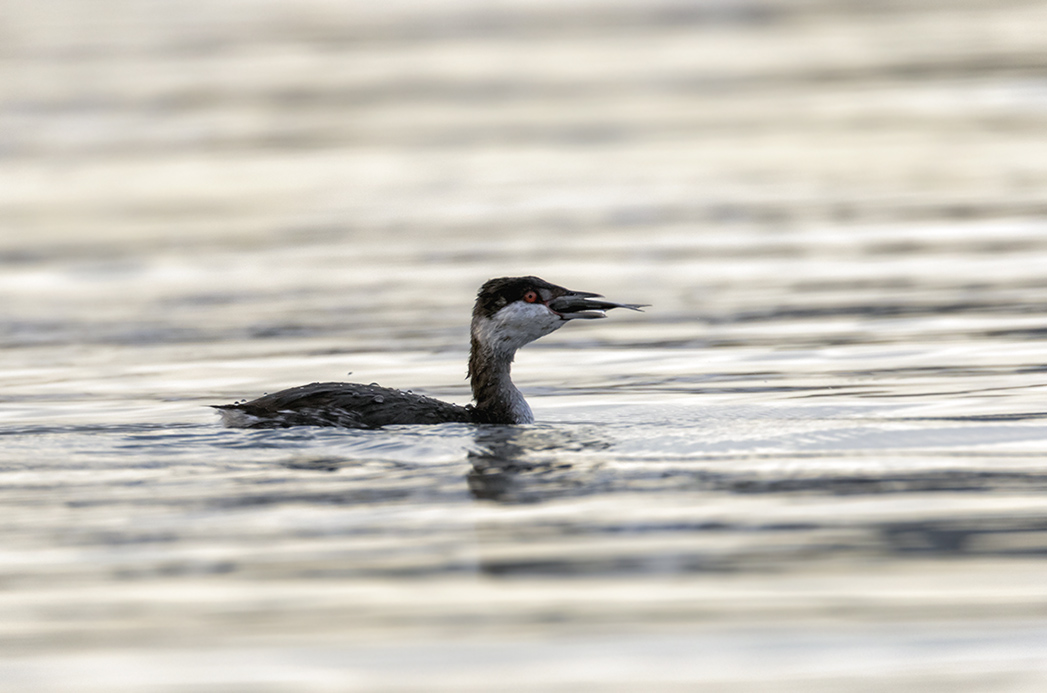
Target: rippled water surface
[{"x": 817, "y": 462}]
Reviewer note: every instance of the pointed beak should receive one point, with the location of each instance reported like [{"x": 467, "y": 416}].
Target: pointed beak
[{"x": 579, "y": 304}]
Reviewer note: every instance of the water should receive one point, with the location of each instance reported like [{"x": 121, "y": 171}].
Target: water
[{"x": 817, "y": 462}]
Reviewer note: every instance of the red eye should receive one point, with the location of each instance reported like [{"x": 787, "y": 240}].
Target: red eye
[{"x": 531, "y": 296}]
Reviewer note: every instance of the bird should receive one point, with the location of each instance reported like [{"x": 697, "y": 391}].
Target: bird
[{"x": 509, "y": 312}]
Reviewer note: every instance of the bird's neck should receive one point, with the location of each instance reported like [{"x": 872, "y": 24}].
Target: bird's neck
[{"x": 497, "y": 399}]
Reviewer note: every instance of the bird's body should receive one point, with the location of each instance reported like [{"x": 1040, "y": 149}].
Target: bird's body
[
  {"x": 509, "y": 313},
  {"x": 348, "y": 405}
]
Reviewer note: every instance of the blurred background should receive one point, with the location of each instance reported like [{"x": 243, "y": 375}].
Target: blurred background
[
  {"x": 817, "y": 462},
  {"x": 238, "y": 145}
]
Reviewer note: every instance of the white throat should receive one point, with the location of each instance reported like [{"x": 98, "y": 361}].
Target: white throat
[{"x": 514, "y": 326}]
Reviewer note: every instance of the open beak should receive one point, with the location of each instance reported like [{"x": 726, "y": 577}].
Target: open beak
[{"x": 579, "y": 304}]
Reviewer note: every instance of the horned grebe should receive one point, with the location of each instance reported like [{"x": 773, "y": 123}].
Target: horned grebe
[{"x": 509, "y": 313}]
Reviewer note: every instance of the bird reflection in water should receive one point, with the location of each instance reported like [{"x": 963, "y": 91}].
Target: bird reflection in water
[{"x": 511, "y": 464}]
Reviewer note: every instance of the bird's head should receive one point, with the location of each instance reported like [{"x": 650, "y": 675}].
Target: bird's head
[{"x": 513, "y": 311}]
